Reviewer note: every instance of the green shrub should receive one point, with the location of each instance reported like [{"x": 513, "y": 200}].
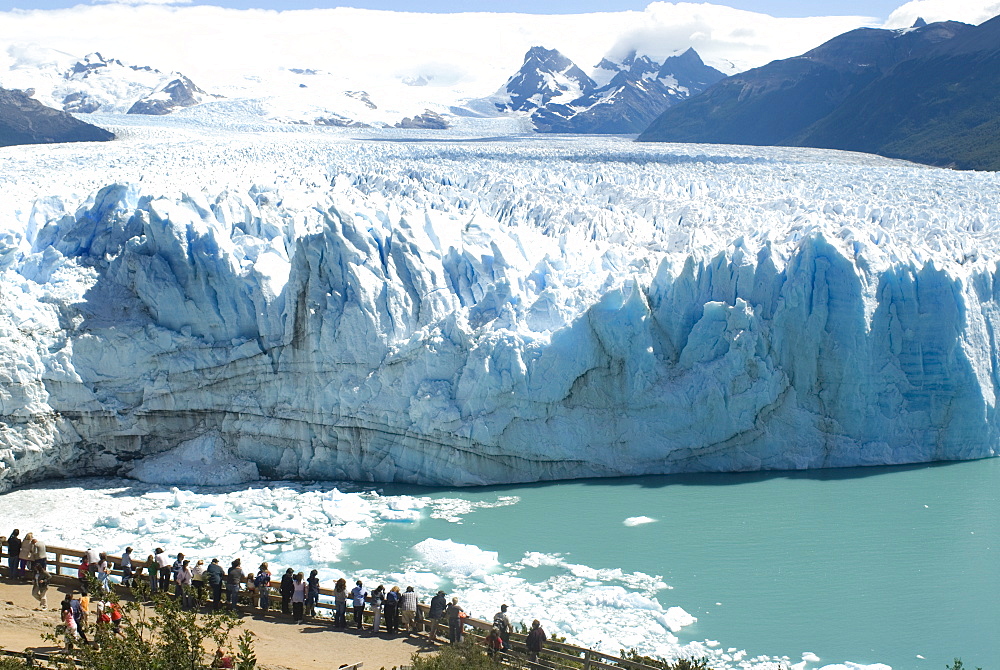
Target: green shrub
[
  {"x": 661, "y": 664},
  {"x": 463, "y": 656},
  {"x": 164, "y": 637}
]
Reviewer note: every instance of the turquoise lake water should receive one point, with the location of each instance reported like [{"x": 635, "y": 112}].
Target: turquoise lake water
[
  {"x": 866, "y": 565},
  {"x": 899, "y": 566}
]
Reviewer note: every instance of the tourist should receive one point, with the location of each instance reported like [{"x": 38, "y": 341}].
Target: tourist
[
  {"x": 40, "y": 585},
  {"x": 68, "y": 621},
  {"x": 285, "y": 589},
  {"x": 215, "y": 579},
  {"x": 126, "y": 564},
  {"x": 183, "y": 581},
  {"x": 234, "y": 579},
  {"x": 24, "y": 556},
  {"x": 93, "y": 558},
  {"x": 298, "y": 598},
  {"x": 221, "y": 660},
  {"x": 439, "y": 605},
  {"x": 408, "y": 607},
  {"x": 103, "y": 617},
  {"x": 151, "y": 573},
  {"x": 174, "y": 569},
  {"x": 536, "y": 638},
  {"x": 14, "y": 554},
  {"x": 392, "y": 610},
  {"x": 163, "y": 570},
  {"x": 198, "y": 580},
  {"x": 312, "y": 593},
  {"x": 81, "y": 609},
  {"x": 103, "y": 572},
  {"x": 263, "y": 583},
  {"x": 377, "y": 599},
  {"x": 358, "y": 595},
  {"x": 83, "y": 574},
  {"x": 116, "y": 619},
  {"x": 38, "y": 553},
  {"x": 493, "y": 642},
  {"x": 502, "y": 623},
  {"x": 340, "y": 603},
  {"x": 250, "y": 595},
  {"x": 456, "y": 624}
]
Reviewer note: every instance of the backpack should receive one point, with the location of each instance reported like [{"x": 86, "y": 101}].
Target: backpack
[
  {"x": 261, "y": 579},
  {"x": 499, "y": 623}
]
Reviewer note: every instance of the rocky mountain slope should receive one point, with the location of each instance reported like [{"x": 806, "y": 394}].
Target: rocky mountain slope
[
  {"x": 928, "y": 93},
  {"x": 24, "y": 120}
]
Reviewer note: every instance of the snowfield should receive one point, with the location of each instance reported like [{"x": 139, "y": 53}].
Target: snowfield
[{"x": 471, "y": 307}]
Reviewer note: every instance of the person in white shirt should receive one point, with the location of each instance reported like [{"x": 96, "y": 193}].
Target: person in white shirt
[
  {"x": 298, "y": 597},
  {"x": 163, "y": 564},
  {"x": 198, "y": 579},
  {"x": 409, "y": 609}
]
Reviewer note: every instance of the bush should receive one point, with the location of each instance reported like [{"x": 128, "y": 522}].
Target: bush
[
  {"x": 679, "y": 664},
  {"x": 163, "y": 638},
  {"x": 464, "y": 656}
]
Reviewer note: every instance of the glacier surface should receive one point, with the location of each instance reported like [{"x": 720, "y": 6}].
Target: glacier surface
[{"x": 464, "y": 309}]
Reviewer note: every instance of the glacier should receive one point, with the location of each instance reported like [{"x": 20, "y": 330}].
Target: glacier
[{"x": 453, "y": 307}]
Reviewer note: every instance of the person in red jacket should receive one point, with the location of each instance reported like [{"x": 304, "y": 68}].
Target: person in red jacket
[{"x": 493, "y": 642}]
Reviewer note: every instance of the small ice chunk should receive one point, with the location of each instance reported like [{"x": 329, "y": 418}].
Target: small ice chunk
[
  {"x": 810, "y": 657},
  {"x": 638, "y": 520},
  {"x": 457, "y": 559},
  {"x": 401, "y": 514},
  {"x": 676, "y": 618}
]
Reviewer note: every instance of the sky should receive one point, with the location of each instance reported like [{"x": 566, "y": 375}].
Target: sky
[
  {"x": 781, "y": 8},
  {"x": 458, "y": 56}
]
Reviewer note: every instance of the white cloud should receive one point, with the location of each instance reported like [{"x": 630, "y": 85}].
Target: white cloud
[
  {"x": 719, "y": 33},
  {"x": 468, "y": 55},
  {"x": 967, "y": 11},
  {"x": 141, "y": 2}
]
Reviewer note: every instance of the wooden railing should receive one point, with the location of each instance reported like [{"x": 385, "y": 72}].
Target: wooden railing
[{"x": 554, "y": 652}]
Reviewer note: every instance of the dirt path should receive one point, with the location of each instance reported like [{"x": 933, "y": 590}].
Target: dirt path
[{"x": 312, "y": 646}]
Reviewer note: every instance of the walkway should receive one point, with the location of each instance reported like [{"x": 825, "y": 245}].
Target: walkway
[{"x": 279, "y": 645}]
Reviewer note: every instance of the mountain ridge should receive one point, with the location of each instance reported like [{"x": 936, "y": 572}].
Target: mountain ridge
[
  {"x": 561, "y": 98},
  {"x": 24, "y": 120},
  {"x": 923, "y": 94}
]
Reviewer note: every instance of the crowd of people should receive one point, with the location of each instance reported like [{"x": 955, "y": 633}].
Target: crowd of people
[{"x": 193, "y": 583}]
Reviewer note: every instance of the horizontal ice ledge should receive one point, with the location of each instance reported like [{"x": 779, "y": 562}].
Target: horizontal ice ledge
[{"x": 368, "y": 335}]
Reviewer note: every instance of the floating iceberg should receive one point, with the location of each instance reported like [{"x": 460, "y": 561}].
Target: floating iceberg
[{"x": 477, "y": 312}]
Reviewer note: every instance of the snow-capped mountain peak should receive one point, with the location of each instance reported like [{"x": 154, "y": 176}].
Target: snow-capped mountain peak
[
  {"x": 95, "y": 63},
  {"x": 545, "y": 76},
  {"x": 177, "y": 93},
  {"x": 621, "y": 97},
  {"x": 93, "y": 83}
]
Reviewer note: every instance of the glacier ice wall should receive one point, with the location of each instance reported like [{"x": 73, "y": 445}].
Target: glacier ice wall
[{"x": 473, "y": 313}]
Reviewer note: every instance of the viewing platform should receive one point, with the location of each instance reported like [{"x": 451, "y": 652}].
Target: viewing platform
[{"x": 63, "y": 564}]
